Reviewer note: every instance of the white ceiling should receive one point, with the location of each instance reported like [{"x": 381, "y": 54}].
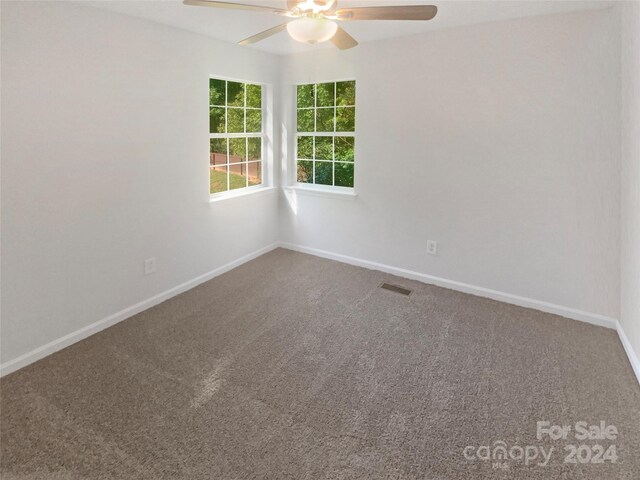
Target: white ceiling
[{"x": 233, "y": 26}]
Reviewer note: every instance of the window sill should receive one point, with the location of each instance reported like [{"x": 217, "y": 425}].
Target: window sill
[
  {"x": 335, "y": 192},
  {"x": 248, "y": 192}
]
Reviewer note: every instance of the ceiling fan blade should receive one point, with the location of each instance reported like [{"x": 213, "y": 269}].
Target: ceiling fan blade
[
  {"x": 343, "y": 40},
  {"x": 408, "y": 12},
  {"x": 235, "y": 6},
  {"x": 262, "y": 35}
]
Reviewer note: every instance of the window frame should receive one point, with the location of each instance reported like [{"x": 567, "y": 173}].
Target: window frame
[
  {"x": 263, "y": 135},
  {"x": 314, "y": 186}
]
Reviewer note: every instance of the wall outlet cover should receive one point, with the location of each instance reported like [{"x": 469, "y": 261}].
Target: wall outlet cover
[{"x": 150, "y": 266}]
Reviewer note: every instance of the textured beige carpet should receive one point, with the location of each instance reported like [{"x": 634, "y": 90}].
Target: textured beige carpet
[{"x": 292, "y": 366}]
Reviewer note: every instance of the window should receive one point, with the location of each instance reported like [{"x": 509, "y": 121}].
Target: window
[
  {"x": 235, "y": 135},
  {"x": 326, "y": 133}
]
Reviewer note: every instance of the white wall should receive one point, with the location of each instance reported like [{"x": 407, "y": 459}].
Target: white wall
[
  {"x": 630, "y": 204},
  {"x": 105, "y": 163},
  {"x": 500, "y": 141}
]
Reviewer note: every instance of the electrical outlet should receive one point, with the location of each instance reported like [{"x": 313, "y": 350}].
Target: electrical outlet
[
  {"x": 150, "y": 266},
  {"x": 432, "y": 247}
]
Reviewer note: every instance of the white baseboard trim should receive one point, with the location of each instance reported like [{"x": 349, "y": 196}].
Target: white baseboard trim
[
  {"x": 73, "y": 337},
  {"x": 593, "y": 318},
  {"x": 65, "y": 341},
  {"x": 568, "y": 312},
  {"x": 572, "y": 313},
  {"x": 631, "y": 354}
]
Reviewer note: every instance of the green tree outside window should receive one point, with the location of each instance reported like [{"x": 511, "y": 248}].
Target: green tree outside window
[{"x": 326, "y": 122}]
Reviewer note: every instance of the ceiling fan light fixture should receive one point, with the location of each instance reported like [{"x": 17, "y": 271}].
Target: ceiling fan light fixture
[
  {"x": 312, "y": 29},
  {"x": 314, "y": 18}
]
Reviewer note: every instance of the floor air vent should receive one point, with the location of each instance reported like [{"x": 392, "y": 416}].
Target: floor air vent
[{"x": 396, "y": 289}]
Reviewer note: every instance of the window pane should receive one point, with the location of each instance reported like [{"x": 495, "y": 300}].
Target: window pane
[
  {"x": 305, "y": 96},
  {"x": 255, "y": 173},
  {"x": 305, "y": 171},
  {"x": 237, "y": 176},
  {"x": 305, "y": 147},
  {"x": 218, "y": 151},
  {"x": 235, "y": 94},
  {"x": 235, "y": 120},
  {"x": 346, "y": 93},
  {"x": 324, "y": 173},
  {"x": 324, "y": 120},
  {"x": 218, "y": 179},
  {"x": 254, "y": 96},
  {"x": 254, "y": 121},
  {"x": 236, "y": 108},
  {"x": 305, "y": 120},
  {"x": 324, "y": 148},
  {"x": 255, "y": 149},
  {"x": 216, "y": 92},
  {"x": 346, "y": 119},
  {"x": 344, "y": 149},
  {"x": 344, "y": 174},
  {"x": 325, "y": 93},
  {"x": 216, "y": 120},
  {"x": 237, "y": 150},
  {"x": 325, "y": 108}
]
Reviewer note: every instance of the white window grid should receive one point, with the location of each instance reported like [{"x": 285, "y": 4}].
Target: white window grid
[
  {"x": 245, "y": 135},
  {"x": 335, "y": 133}
]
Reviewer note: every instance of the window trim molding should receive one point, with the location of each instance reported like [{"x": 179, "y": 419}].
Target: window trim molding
[
  {"x": 266, "y": 134},
  {"x": 253, "y": 190},
  {"x": 293, "y": 177},
  {"x": 346, "y": 193}
]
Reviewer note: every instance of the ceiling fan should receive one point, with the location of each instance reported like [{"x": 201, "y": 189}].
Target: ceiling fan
[{"x": 315, "y": 20}]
